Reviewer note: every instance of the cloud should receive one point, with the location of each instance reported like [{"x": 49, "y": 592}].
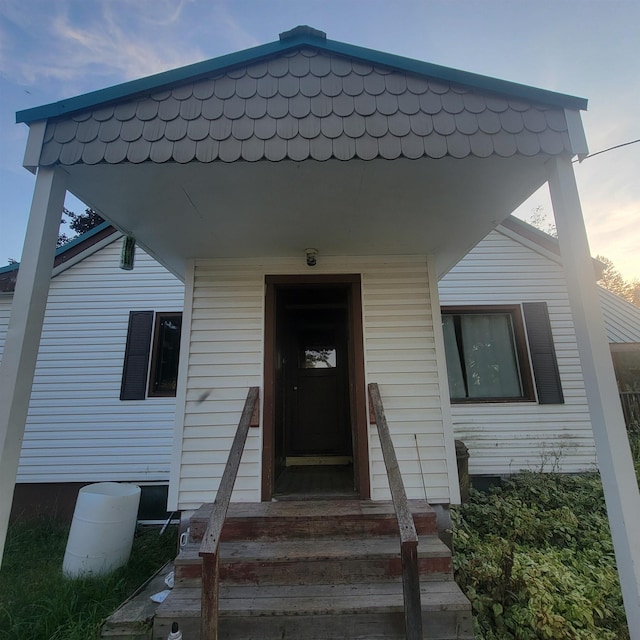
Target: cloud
[
  {"x": 164, "y": 12},
  {"x": 237, "y": 37},
  {"x": 69, "y": 41},
  {"x": 114, "y": 50}
]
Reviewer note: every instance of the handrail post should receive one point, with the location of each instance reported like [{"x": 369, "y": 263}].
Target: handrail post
[
  {"x": 408, "y": 534},
  {"x": 209, "y": 548},
  {"x": 411, "y": 590},
  {"x": 209, "y": 596}
]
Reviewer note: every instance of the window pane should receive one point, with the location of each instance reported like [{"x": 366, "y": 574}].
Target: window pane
[
  {"x": 166, "y": 355},
  {"x": 627, "y": 368},
  {"x": 482, "y": 356},
  {"x": 319, "y": 358},
  {"x": 490, "y": 358},
  {"x": 454, "y": 363}
]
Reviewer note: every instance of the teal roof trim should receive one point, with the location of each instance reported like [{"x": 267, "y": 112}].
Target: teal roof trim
[
  {"x": 456, "y": 76},
  {"x": 10, "y": 267},
  {"x": 67, "y": 246},
  {"x": 81, "y": 238},
  {"x": 224, "y": 63}
]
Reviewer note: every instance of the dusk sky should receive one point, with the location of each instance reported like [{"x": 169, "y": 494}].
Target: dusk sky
[{"x": 55, "y": 49}]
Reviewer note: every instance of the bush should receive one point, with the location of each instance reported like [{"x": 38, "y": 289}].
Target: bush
[{"x": 536, "y": 560}]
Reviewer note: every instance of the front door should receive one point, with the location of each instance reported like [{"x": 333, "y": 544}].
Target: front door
[
  {"x": 315, "y": 411},
  {"x": 316, "y": 376}
]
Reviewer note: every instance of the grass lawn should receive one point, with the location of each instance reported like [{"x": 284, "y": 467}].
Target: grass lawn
[{"x": 38, "y": 603}]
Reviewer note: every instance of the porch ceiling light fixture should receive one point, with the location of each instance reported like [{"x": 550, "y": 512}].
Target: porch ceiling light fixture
[{"x": 312, "y": 257}]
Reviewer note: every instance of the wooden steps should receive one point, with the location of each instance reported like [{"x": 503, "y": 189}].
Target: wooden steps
[
  {"x": 330, "y": 560},
  {"x": 312, "y": 518},
  {"x": 133, "y": 619},
  {"x": 316, "y": 569}
]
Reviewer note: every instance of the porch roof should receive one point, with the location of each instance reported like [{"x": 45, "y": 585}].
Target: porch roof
[
  {"x": 238, "y": 156},
  {"x": 290, "y": 41}
]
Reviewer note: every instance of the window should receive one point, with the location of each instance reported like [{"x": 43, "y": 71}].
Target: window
[
  {"x": 484, "y": 361},
  {"x": 166, "y": 350},
  {"x": 154, "y": 337},
  {"x": 487, "y": 356}
]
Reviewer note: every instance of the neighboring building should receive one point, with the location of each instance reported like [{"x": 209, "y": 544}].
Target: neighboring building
[
  {"x": 622, "y": 320},
  {"x": 79, "y": 429}
]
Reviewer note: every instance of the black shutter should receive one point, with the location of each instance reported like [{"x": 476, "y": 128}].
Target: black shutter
[
  {"x": 136, "y": 356},
  {"x": 543, "y": 355}
]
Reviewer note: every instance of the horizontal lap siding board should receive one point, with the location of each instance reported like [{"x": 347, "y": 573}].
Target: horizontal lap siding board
[
  {"x": 78, "y": 429},
  {"x": 5, "y": 312},
  {"x": 504, "y": 438},
  {"x": 400, "y": 355},
  {"x": 225, "y": 359}
]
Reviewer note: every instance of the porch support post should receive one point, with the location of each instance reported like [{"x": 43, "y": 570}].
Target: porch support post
[
  {"x": 25, "y": 326},
  {"x": 609, "y": 431}
]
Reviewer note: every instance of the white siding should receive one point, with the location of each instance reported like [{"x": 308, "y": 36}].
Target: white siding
[
  {"x": 505, "y": 438},
  {"x": 227, "y": 357},
  {"x": 400, "y": 356},
  {"x": 77, "y": 429},
  {"x": 226, "y": 330},
  {"x": 5, "y": 312}
]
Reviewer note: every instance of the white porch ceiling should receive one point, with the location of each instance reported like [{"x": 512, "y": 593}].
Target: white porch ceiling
[{"x": 380, "y": 207}]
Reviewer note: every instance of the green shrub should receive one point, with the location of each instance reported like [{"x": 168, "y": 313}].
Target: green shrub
[{"x": 536, "y": 560}]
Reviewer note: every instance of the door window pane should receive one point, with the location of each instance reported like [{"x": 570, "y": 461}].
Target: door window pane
[{"x": 319, "y": 358}]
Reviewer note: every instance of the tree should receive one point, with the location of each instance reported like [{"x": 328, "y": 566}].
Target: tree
[
  {"x": 539, "y": 220},
  {"x": 78, "y": 222},
  {"x": 613, "y": 281}
]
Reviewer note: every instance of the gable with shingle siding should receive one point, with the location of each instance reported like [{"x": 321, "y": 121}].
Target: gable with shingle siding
[{"x": 304, "y": 105}]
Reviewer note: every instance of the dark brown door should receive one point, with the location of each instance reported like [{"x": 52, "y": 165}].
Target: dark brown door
[
  {"x": 314, "y": 390},
  {"x": 316, "y": 393}
]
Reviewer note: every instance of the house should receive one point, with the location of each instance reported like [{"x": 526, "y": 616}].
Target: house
[
  {"x": 79, "y": 430},
  {"x": 311, "y": 194}
]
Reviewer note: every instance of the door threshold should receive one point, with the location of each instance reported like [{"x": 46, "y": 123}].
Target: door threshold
[
  {"x": 309, "y": 497},
  {"x": 319, "y": 482},
  {"x": 317, "y": 461}
]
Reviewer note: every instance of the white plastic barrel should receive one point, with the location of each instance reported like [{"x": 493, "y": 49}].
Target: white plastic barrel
[{"x": 102, "y": 529}]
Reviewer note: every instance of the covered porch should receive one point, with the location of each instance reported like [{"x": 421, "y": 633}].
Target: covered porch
[{"x": 310, "y": 194}]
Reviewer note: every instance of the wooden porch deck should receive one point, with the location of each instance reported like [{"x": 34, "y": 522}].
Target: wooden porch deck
[{"x": 316, "y": 569}]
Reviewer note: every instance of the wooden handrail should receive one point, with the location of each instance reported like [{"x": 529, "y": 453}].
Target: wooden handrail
[
  {"x": 408, "y": 534},
  {"x": 211, "y": 539}
]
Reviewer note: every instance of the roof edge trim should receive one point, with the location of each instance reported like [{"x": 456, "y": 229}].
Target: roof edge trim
[
  {"x": 223, "y": 63},
  {"x": 68, "y": 246},
  {"x": 549, "y": 244}
]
